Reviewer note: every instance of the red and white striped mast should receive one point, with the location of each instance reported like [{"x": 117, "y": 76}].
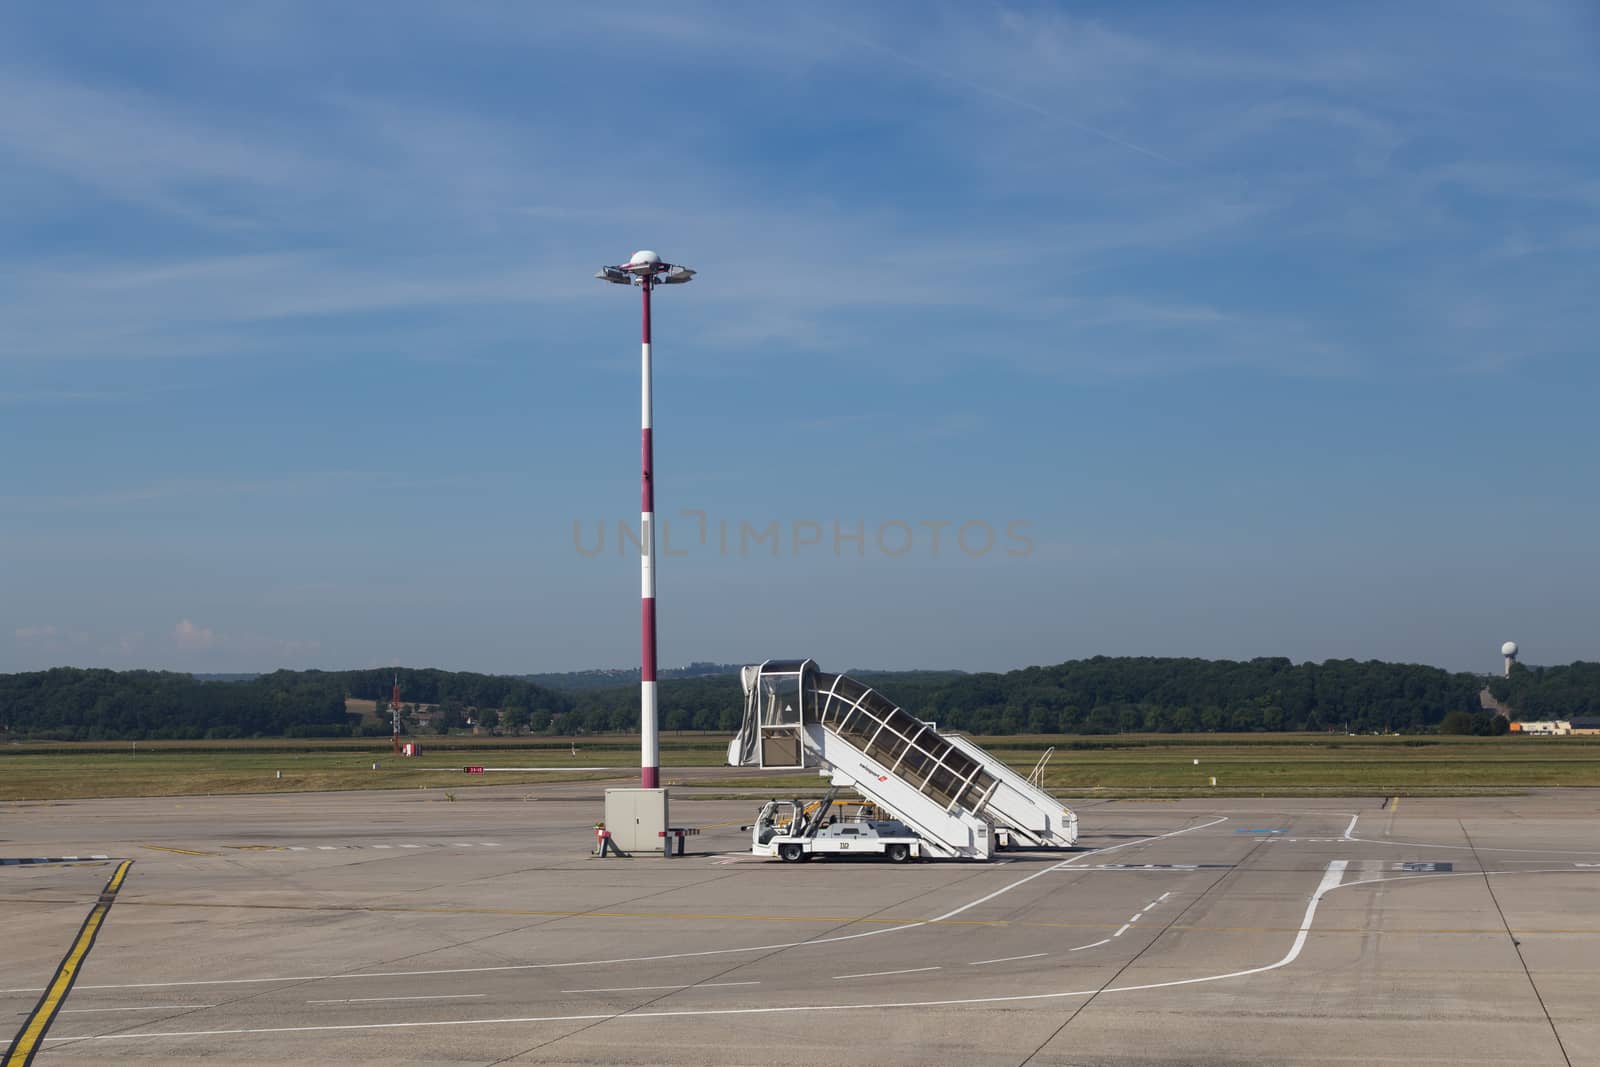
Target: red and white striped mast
[
  {"x": 646, "y": 270},
  {"x": 394, "y": 711}
]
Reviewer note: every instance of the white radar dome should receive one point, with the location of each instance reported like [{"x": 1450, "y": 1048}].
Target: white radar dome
[
  {"x": 645, "y": 258},
  {"x": 1508, "y": 649}
]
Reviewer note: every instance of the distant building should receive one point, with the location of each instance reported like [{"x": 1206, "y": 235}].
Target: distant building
[{"x": 1583, "y": 725}]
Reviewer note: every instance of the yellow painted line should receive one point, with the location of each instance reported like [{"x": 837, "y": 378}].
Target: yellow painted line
[
  {"x": 28, "y": 1039},
  {"x": 1394, "y": 805},
  {"x": 179, "y": 851}
]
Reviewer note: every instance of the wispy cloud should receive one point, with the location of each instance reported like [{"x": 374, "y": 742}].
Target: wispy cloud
[
  {"x": 449, "y": 208},
  {"x": 192, "y": 638}
]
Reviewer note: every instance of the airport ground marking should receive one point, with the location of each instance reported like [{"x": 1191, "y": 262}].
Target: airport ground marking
[
  {"x": 1349, "y": 835},
  {"x": 34, "y": 861},
  {"x": 1008, "y": 959},
  {"x": 885, "y": 974},
  {"x": 29, "y": 1039},
  {"x": 1093, "y": 944},
  {"x": 179, "y": 851},
  {"x": 141, "y": 1007},
  {"x": 625, "y": 989},
  {"x": 689, "y": 1013},
  {"x": 374, "y": 1000},
  {"x": 945, "y": 918}
]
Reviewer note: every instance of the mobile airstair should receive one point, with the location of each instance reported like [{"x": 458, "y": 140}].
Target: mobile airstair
[{"x": 962, "y": 802}]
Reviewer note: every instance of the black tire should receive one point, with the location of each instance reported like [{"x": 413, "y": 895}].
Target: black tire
[
  {"x": 898, "y": 853},
  {"x": 791, "y": 853}
]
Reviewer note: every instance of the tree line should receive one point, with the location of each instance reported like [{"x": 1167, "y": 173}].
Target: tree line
[
  {"x": 74, "y": 704},
  {"x": 1550, "y": 692},
  {"x": 1090, "y": 696},
  {"x": 1126, "y": 694}
]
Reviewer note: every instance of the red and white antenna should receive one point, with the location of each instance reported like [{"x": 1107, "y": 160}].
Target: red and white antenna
[{"x": 646, "y": 270}]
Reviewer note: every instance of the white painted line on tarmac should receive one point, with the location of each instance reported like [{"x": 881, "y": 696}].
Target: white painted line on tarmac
[
  {"x": 1335, "y": 870},
  {"x": 1122, "y": 931},
  {"x": 489, "y": 844},
  {"x": 1349, "y": 830},
  {"x": 1097, "y": 944},
  {"x": 1163, "y": 896},
  {"x": 642, "y": 988},
  {"x": 1066, "y": 865},
  {"x": 142, "y": 1007},
  {"x": 1148, "y": 906},
  {"x": 298, "y": 848},
  {"x": 882, "y": 974},
  {"x": 383, "y": 846},
  {"x": 1008, "y": 959},
  {"x": 327, "y": 848},
  {"x": 375, "y": 1000},
  {"x": 1062, "y": 866},
  {"x": 1134, "y": 919}
]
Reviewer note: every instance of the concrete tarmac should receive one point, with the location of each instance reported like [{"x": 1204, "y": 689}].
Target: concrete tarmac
[{"x": 399, "y": 927}]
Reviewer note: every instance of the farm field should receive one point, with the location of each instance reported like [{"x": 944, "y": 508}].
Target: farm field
[{"x": 1119, "y": 765}]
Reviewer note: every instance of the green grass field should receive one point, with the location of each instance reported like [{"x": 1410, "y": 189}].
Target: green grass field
[{"x": 1122, "y": 765}]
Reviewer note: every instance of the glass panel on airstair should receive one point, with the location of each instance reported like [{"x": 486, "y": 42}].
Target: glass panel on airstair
[{"x": 901, "y": 742}]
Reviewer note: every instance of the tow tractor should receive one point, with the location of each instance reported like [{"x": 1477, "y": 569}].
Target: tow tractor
[{"x": 795, "y": 831}]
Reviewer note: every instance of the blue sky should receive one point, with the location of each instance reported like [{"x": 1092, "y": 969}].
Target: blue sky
[{"x": 1272, "y": 329}]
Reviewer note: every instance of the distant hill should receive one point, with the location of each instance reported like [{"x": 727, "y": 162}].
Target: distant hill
[
  {"x": 1550, "y": 692},
  {"x": 1104, "y": 694},
  {"x": 73, "y": 704},
  {"x": 1114, "y": 694},
  {"x": 607, "y": 677}
]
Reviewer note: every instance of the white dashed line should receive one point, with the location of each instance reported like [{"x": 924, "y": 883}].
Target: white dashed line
[
  {"x": 881, "y": 974},
  {"x": 383, "y": 846},
  {"x": 142, "y": 1007},
  {"x": 1123, "y": 930},
  {"x": 375, "y": 1000},
  {"x": 327, "y": 848},
  {"x": 1097, "y": 944},
  {"x": 1008, "y": 959},
  {"x": 645, "y": 988}
]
